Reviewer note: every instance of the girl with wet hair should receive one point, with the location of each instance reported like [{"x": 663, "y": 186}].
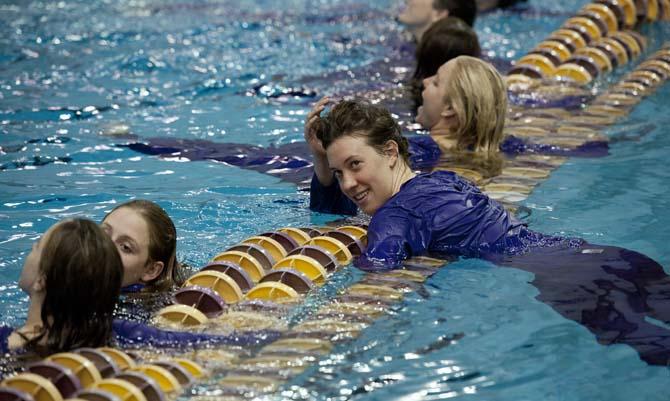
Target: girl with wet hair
[
  {"x": 73, "y": 277},
  {"x": 446, "y": 39},
  {"x": 147, "y": 242}
]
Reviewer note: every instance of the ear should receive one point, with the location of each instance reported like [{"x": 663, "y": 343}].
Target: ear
[
  {"x": 439, "y": 14},
  {"x": 39, "y": 285},
  {"x": 391, "y": 150},
  {"x": 153, "y": 270},
  {"x": 448, "y": 112}
]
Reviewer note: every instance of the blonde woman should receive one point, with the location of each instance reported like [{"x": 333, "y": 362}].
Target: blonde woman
[{"x": 464, "y": 106}]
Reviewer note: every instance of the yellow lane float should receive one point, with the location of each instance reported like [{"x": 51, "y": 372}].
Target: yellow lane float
[
  {"x": 222, "y": 283},
  {"x": 83, "y": 368},
  {"x": 39, "y": 388}
]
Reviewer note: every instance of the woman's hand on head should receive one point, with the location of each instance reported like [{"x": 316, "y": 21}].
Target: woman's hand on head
[
  {"x": 315, "y": 145},
  {"x": 321, "y": 169}
]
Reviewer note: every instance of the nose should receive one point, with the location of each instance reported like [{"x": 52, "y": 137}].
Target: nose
[
  {"x": 347, "y": 182},
  {"x": 426, "y": 81}
]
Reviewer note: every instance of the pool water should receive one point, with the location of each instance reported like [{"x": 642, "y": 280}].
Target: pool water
[{"x": 77, "y": 78}]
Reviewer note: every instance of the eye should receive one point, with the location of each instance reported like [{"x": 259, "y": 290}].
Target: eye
[
  {"x": 125, "y": 248},
  {"x": 355, "y": 164},
  {"x": 338, "y": 174}
]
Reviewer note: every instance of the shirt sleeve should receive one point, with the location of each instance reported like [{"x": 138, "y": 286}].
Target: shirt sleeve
[
  {"x": 394, "y": 234},
  {"x": 330, "y": 199}
]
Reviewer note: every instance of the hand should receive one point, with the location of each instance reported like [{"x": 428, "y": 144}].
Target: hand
[{"x": 313, "y": 116}]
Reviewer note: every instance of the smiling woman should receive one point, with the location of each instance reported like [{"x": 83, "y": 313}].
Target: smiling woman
[{"x": 361, "y": 162}]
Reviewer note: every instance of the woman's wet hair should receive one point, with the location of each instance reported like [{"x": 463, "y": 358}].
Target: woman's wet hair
[
  {"x": 162, "y": 244},
  {"x": 477, "y": 93},
  {"x": 82, "y": 273},
  {"x": 446, "y": 39},
  {"x": 463, "y": 9},
  {"x": 360, "y": 118}
]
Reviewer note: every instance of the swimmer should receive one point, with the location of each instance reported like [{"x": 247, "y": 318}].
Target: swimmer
[
  {"x": 464, "y": 108},
  {"x": 73, "y": 278},
  {"x": 419, "y": 15},
  {"x": 363, "y": 164},
  {"x": 446, "y": 39},
  {"x": 146, "y": 239}
]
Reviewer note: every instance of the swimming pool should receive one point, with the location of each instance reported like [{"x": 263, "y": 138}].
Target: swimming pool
[{"x": 75, "y": 73}]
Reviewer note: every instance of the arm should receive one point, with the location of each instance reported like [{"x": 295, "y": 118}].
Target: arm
[
  {"x": 394, "y": 234},
  {"x": 329, "y": 199},
  {"x": 321, "y": 168}
]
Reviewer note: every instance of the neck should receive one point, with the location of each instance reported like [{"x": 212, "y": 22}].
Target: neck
[
  {"x": 444, "y": 137},
  {"x": 418, "y": 31},
  {"x": 404, "y": 174},
  {"x": 34, "y": 319}
]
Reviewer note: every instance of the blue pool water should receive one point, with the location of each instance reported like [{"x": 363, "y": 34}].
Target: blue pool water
[{"x": 74, "y": 72}]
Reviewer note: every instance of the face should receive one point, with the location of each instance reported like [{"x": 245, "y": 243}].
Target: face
[
  {"x": 31, "y": 267},
  {"x": 365, "y": 176},
  {"x": 416, "y": 13},
  {"x": 130, "y": 233},
  {"x": 435, "y": 110}
]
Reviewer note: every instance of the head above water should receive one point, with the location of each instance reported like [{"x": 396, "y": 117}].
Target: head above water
[
  {"x": 366, "y": 151},
  {"x": 147, "y": 242},
  {"x": 446, "y": 39},
  {"x": 467, "y": 98},
  {"x": 418, "y": 15},
  {"x": 75, "y": 271}
]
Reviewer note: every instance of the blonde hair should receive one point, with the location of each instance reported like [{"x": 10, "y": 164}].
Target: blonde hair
[{"x": 477, "y": 93}]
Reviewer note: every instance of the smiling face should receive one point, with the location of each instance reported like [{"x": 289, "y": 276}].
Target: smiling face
[
  {"x": 364, "y": 175},
  {"x": 435, "y": 112},
  {"x": 130, "y": 233}
]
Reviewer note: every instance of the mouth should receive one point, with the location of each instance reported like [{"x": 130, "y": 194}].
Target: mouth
[{"x": 359, "y": 197}]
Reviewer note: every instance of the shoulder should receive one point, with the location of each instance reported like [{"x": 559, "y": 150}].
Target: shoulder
[{"x": 439, "y": 181}]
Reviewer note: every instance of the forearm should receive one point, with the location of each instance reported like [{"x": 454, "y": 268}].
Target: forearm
[{"x": 322, "y": 170}]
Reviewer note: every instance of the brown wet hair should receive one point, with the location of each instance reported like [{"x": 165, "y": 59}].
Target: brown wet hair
[
  {"x": 82, "y": 273},
  {"x": 363, "y": 119}
]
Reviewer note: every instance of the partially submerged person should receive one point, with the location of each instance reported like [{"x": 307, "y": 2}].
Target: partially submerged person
[
  {"x": 73, "y": 277},
  {"x": 146, "y": 239},
  {"x": 445, "y": 40},
  {"x": 419, "y": 15},
  {"x": 361, "y": 162},
  {"x": 464, "y": 108}
]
